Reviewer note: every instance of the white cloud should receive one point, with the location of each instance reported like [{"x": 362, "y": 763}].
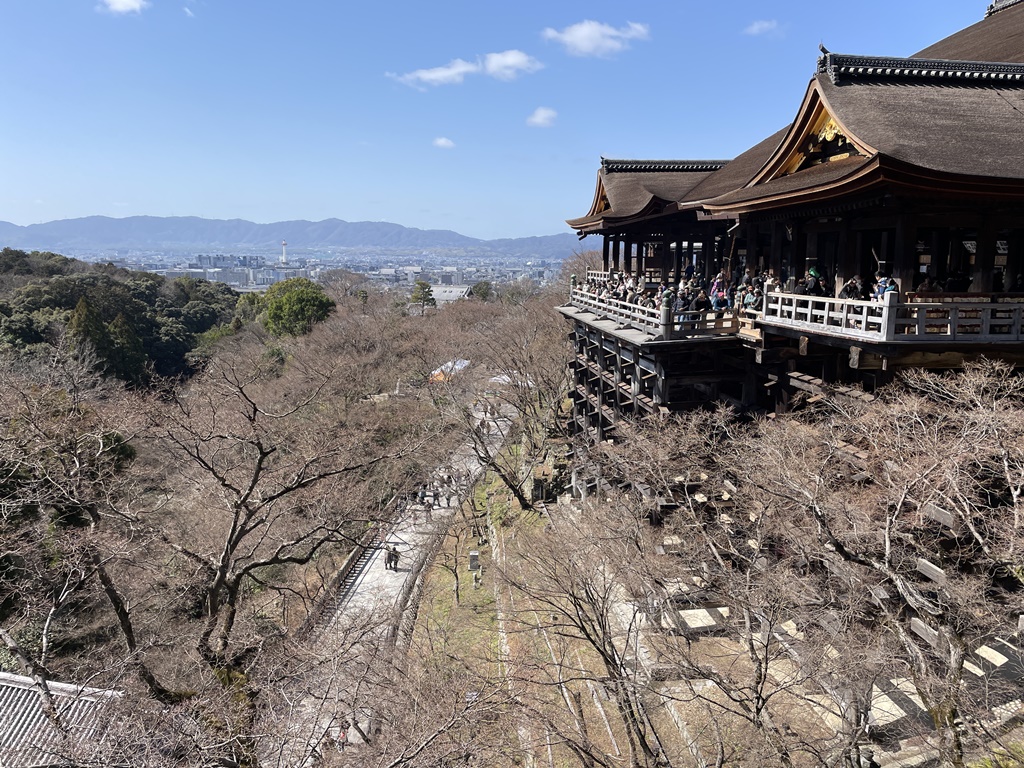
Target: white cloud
[
  {"x": 125, "y": 6},
  {"x": 188, "y": 12},
  {"x": 542, "y": 117},
  {"x": 507, "y": 65},
  {"x": 761, "y": 27},
  {"x": 453, "y": 72},
  {"x": 442, "y": 143},
  {"x": 593, "y": 38}
]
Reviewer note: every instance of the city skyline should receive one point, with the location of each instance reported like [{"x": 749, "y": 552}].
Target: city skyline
[{"x": 487, "y": 120}]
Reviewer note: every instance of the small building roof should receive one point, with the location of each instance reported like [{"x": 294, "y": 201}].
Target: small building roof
[
  {"x": 29, "y": 738},
  {"x": 630, "y": 188},
  {"x": 445, "y": 294}
]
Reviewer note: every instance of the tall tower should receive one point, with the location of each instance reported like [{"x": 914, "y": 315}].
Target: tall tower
[{"x": 284, "y": 252}]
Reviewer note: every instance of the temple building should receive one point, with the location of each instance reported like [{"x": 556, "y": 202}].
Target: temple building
[{"x": 910, "y": 169}]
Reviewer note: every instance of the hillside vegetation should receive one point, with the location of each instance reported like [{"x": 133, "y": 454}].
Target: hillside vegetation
[
  {"x": 169, "y": 537},
  {"x": 140, "y": 327}
]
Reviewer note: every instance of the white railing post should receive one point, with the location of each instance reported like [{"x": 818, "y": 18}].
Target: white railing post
[
  {"x": 890, "y": 302},
  {"x": 666, "y": 315}
]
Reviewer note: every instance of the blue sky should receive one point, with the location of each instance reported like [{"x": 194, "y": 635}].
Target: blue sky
[{"x": 483, "y": 117}]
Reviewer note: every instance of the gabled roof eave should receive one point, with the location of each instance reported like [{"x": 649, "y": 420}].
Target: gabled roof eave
[{"x": 813, "y": 103}]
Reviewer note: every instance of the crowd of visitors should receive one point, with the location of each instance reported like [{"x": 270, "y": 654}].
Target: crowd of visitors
[
  {"x": 692, "y": 294},
  {"x": 745, "y": 289}
]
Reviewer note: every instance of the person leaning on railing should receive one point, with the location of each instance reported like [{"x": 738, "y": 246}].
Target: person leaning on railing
[
  {"x": 884, "y": 285},
  {"x": 752, "y": 298},
  {"x": 853, "y": 289},
  {"x": 701, "y": 303}
]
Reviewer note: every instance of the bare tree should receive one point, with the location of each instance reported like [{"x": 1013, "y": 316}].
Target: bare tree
[{"x": 882, "y": 534}]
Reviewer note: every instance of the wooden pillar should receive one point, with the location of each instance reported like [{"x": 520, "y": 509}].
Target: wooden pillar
[
  {"x": 775, "y": 252},
  {"x": 810, "y": 252},
  {"x": 710, "y": 253},
  {"x": 676, "y": 251},
  {"x": 905, "y": 266},
  {"x": 618, "y": 373},
  {"x": 1015, "y": 260},
  {"x": 680, "y": 256},
  {"x": 753, "y": 257},
  {"x": 798, "y": 261},
  {"x": 660, "y": 394},
  {"x": 859, "y": 258},
  {"x": 604, "y": 253},
  {"x": 884, "y": 254},
  {"x": 938, "y": 248},
  {"x": 798, "y": 258},
  {"x": 984, "y": 258},
  {"x": 616, "y": 253},
  {"x": 689, "y": 249},
  {"x": 846, "y": 266},
  {"x": 666, "y": 257}
]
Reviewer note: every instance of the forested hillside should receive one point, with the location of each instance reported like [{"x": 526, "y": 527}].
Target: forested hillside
[
  {"x": 138, "y": 324},
  {"x": 169, "y": 538},
  {"x": 744, "y": 590},
  {"x": 140, "y": 327}
]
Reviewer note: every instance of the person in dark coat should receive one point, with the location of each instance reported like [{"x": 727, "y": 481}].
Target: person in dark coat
[
  {"x": 701, "y": 304},
  {"x": 814, "y": 286}
]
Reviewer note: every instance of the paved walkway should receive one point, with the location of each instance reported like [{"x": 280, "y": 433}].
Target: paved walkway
[{"x": 358, "y": 641}]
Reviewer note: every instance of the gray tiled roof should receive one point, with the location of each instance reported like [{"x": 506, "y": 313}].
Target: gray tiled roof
[
  {"x": 29, "y": 738},
  {"x": 633, "y": 186},
  {"x": 997, "y": 37}
]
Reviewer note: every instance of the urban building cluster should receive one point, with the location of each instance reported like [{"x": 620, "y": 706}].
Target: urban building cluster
[{"x": 449, "y": 272}]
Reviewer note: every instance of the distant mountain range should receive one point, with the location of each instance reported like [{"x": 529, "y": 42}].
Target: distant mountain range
[{"x": 191, "y": 233}]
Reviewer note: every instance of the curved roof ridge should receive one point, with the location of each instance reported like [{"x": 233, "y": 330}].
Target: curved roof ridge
[
  {"x": 661, "y": 166},
  {"x": 841, "y": 67},
  {"x": 999, "y": 5}
]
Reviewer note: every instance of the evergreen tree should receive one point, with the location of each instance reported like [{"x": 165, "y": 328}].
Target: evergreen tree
[
  {"x": 423, "y": 295},
  {"x": 126, "y": 357},
  {"x": 86, "y": 328},
  {"x": 295, "y": 305},
  {"x": 482, "y": 290}
]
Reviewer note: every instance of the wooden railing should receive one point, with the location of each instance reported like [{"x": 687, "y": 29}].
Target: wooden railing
[
  {"x": 658, "y": 322},
  {"x": 849, "y": 319},
  {"x": 641, "y": 318},
  {"x": 696, "y": 324},
  {"x": 917, "y": 322},
  {"x": 651, "y": 276},
  {"x": 946, "y": 322},
  {"x": 937, "y": 320}
]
